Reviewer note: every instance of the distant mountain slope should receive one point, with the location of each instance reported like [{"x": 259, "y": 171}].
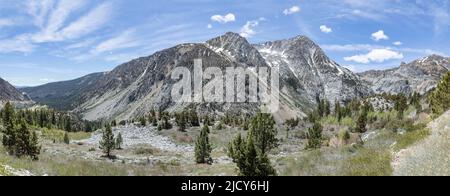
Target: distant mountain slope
[
  {"x": 418, "y": 76},
  {"x": 134, "y": 88},
  {"x": 61, "y": 95},
  {"x": 10, "y": 93}
]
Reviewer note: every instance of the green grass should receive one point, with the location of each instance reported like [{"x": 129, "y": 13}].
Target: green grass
[
  {"x": 3, "y": 171},
  {"x": 368, "y": 162},
  {"x": 410, "y": 138},
  {"x": 58, "y": 135},
  {"x": 329, "y": 120},
  {"x": 348, "y": 121}
]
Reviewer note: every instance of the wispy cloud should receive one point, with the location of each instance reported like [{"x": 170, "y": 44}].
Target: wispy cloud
[
  {"x": 56, "y": 20},
  {"x": 247, "y": 30},
  {"x": 89, "y": 23},
  {"x": 6, "y": 22},
  {"x": 17, "y": 44},
  {"x": 125, "y": 40}
]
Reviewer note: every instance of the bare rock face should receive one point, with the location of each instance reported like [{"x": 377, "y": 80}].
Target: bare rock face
[
  {"x": 10, "y": 93},
  {"x": 307, "y": 72},
  {"x": 418, "y": 76}
]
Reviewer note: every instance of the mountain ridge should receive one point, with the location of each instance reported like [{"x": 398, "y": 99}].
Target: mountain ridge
[
  {"x": 419, "y": 76},
  {"x": 306, "y": 73}
]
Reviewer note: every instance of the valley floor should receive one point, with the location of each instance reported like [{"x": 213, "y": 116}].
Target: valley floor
[{"x": 147, "y": 151}]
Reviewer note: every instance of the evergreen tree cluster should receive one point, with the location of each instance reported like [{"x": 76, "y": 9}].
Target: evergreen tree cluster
[
  {"x": 439, "y": 99},
  {"x": 250, "y": 155},
  {"x": 51, "y": 119},
  {"x": 108, "y": 143},
  {"x": 16, "y": 136}
]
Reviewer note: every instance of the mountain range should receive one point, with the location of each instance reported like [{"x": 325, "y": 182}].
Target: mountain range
[
  {"x": 418, "y": 76},
  {"x": 306, "y": 73}
]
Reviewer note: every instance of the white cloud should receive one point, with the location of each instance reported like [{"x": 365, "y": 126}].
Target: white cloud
[
  {"x": 224, "y": 19},
  {"x": 6, "y": 22},
  {"x": 209, "y": 26},
  {"x": 325, "y": 29},
  {"x": 247, "y": 30},
  {"x": 376, "y": 55},
  {"x": 82, "y": 44},
  {"x": 124, "y": 40},
  {"x": 17, "y": 44},
  {"x": 91, "y": 22},
  {"x": 39, "y": 9},
  {"x": 52, "y": 19},
  {"x": 379, "y": 35},
  {"x": 350, "y": 47},
  {"x": 292, "y": 10},
  {"x": 398, "y": 43},
  {"x": 56, "y": 19}
]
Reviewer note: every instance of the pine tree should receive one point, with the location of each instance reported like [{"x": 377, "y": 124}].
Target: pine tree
[
  {"x": 9, "y": 133},
  {"x": 181, "y": 122},
  {"x": 264, "y": 132},
  {"x": 361, "y": 123},
  {"x": 34, "y": 148},
  {"x": 107, "y": 143},
  {"x": 22, "y": 139},
  {"x": 143, "y": 121},
  {"x": 401, "y": 104},
  {"x": 439, "y": 99},
  {"x": 165, "y": 123},
  {"x": 119, "y": 142},
  {"x": 26, "y": 142},
  {"x": 315, "y": 136},
  {"x": 195, "y": 122},
  {"x": 203, "y": 147},
  {"x": 68, "y": 124},
  {"x": 154, "y": 122},
  {"x": 249, "y": 161},
  {"x": 66, "y": 138}
]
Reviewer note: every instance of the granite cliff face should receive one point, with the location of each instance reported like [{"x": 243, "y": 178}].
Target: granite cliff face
[{"x": 418, "y": 76}]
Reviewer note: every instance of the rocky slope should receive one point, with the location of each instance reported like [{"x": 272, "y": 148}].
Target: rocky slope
[
  {"x": 307, "y": 72},
  {"x": 61, "y": 95},
  {"x": 418, "y": 76},
  {"x": 134, "y": 88},
  {"x": 8, "y": 93}
]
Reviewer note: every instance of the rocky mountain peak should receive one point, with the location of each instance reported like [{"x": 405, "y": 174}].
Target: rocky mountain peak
[{"x": 237, "y": 48}]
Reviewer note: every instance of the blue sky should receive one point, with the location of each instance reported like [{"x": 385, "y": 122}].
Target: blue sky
[{"x": 43, "y": 41}]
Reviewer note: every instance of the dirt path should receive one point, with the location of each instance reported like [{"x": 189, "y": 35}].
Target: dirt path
[{"x": 429, "y": 157}]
